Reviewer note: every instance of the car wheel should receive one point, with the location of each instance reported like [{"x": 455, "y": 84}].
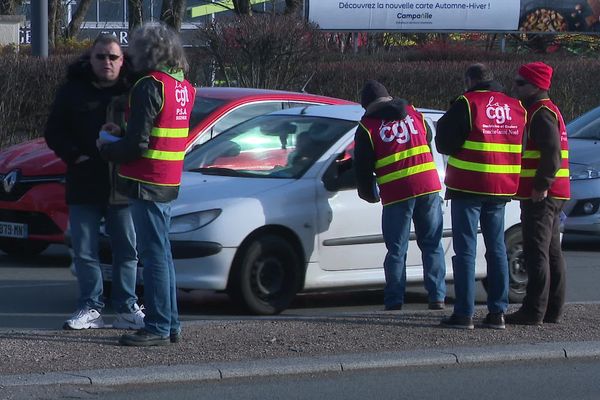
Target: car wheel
[
  {"x": 517, "y": 273},
  {"x": 22, "y": 248},
  {"x": 266, "y": 275}
]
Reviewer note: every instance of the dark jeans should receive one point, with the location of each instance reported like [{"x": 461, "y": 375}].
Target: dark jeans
[{"x": 544, "y": 260}]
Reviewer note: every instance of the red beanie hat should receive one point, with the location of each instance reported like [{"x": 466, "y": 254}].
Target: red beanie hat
[{"x": 537, "y": 73}]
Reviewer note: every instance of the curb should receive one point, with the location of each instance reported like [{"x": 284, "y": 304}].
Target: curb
[{"x": 307, "y": 365}]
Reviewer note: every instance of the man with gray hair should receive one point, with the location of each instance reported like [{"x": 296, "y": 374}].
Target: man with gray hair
[{"x": 151, "y": 160}]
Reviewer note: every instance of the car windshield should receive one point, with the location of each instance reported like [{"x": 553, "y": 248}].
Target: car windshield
[
  {"x": 271, "y": 146},
  {"x": 586, "y": 126},
  {"x": 203, "y": 106}
]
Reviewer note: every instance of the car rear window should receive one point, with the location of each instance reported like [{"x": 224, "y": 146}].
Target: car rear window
[
  {"x": 586, "y": 126},
  {"x": 203, "y": 106}
]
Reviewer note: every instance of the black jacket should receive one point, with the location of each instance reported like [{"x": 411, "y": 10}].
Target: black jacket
[
  {"x": 78, "y": 112},
  {"x": 453, "y": 129},
  {"x": 364, "y": 154}
]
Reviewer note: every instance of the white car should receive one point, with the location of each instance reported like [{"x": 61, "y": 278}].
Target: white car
[
  {"x": 583, "y": 210},
  {"x": 269, "y": 208}
]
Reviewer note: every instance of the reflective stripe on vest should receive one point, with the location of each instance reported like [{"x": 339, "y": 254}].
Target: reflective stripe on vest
[
  {"x": 560, "y": 188},
  {"x": 489, "y": 161},
  {"x": 404, "y": 165},
  {"x": 161, "y": 164}
]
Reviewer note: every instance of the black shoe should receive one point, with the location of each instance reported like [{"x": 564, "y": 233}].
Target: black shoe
[
  {"x": 551, "y": 320},
  {"x": 520, "y": 318},
  {"x": 394, "y": 307},
  {"x": 175, "y": 337},
  {"x": 458, "y": 322},
  {"x": 494, "y": 321},
  {"x": 436, "y": 305},
  {"x": 143, "y": 338}
]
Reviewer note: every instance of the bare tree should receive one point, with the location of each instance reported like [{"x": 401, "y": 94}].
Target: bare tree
[
  {"x": 265, "y": 51},
  {"x": 242, "y": 7},
  {"x": 10, "y": 7},
  {"x": 54, "y": 22},
  {"x": 172, "y": 13},
  {"x": 75, "y": 24},
  {"x": 136, "y": 17}
]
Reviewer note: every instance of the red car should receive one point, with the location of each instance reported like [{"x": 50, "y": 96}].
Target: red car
[{"x": 33, "y": 213}]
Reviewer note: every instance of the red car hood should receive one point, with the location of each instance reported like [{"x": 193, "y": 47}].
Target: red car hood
[{"x": 33, "y": 158}]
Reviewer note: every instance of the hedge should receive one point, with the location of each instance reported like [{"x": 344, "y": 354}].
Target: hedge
[{"x": 28, "y": 84}]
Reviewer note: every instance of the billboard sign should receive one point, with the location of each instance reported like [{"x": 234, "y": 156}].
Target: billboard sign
[{"x": 536, "y": 16}]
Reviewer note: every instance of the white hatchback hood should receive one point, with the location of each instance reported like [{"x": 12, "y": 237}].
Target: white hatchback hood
[{"x": 199, "y": 188}]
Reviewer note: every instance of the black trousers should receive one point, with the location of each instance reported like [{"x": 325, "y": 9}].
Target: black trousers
[{"x": 545, "y": 296}]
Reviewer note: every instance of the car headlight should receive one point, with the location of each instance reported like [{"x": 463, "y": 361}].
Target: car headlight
[
  {"x": 193, "y": 221},
  {"x": 581, "y": 172}
]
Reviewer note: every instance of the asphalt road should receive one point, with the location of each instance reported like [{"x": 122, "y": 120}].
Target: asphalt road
[
  {"x": 40, "y": 292},
  {"x": 578, "y": 380}
]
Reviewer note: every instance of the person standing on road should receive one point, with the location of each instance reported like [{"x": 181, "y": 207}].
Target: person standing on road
[
  {"x": 151, "y": 160},
  {"x": 481, "y": 133},
  {"x": 543, "y": 189},
  {"x": 78, "y": 112},
  {"x": 392, "y": 153}
]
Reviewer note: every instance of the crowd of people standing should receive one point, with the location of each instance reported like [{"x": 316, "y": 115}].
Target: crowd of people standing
[
  {"x": 499, "y": 148},
  {"x": 132, "y": 110}
]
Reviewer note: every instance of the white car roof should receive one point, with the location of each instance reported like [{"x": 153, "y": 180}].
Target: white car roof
[{"x": 345, "y": 112}]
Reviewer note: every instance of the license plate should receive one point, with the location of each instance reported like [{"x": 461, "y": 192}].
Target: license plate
[{"x": 11, "y": 230}]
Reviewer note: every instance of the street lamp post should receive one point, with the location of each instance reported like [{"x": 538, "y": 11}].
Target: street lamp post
[{"x": 39, "y": 28}]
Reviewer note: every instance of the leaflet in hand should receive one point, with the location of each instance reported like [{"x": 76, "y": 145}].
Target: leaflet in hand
[{"x": 106, "y": 136}]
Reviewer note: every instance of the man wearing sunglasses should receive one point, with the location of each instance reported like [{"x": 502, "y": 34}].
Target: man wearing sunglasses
[
  {"x": 543, "y": 189},
  {"x": 93, "y": 82}
]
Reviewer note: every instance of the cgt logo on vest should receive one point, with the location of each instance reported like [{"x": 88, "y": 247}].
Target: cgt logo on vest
[
  {"x": 497, "y": 112},
  {"x": 182, "y": 97},
  {"x": 399, "y": 130}
]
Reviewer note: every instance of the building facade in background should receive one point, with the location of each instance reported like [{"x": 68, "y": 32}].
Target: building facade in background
[{"x": 111, "y": 16}]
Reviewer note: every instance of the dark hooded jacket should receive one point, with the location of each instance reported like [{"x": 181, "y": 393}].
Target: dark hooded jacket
[
  {"x": 364, "y": 154},
  {"x": 452, "y": 131},
  {"x": 78, "y": 112}
]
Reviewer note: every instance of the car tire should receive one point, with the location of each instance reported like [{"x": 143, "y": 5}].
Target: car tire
[
  {"x": 517, "y": 272},
  {"x": 266, "y": 275},
  {"x": 22, "y": 248}
]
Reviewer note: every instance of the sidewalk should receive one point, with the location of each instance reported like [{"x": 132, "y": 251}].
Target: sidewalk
[{"x": 217, "y": 349}]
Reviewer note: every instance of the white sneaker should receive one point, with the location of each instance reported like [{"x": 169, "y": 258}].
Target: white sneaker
[
  {"x": 133, "y": 320},
  {"x": 84, "y": 319}
]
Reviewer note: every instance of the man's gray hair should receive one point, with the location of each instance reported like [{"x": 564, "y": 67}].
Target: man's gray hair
[
  {"x": 155, "y": 46},
  {"x": 479, "y": 73}
]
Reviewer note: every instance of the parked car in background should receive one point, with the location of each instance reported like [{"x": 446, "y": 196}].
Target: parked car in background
[
  {"x": 33, "y": 213},
  {"x": 583, "y": 215},
  {"x": 269, "y": 208}
]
